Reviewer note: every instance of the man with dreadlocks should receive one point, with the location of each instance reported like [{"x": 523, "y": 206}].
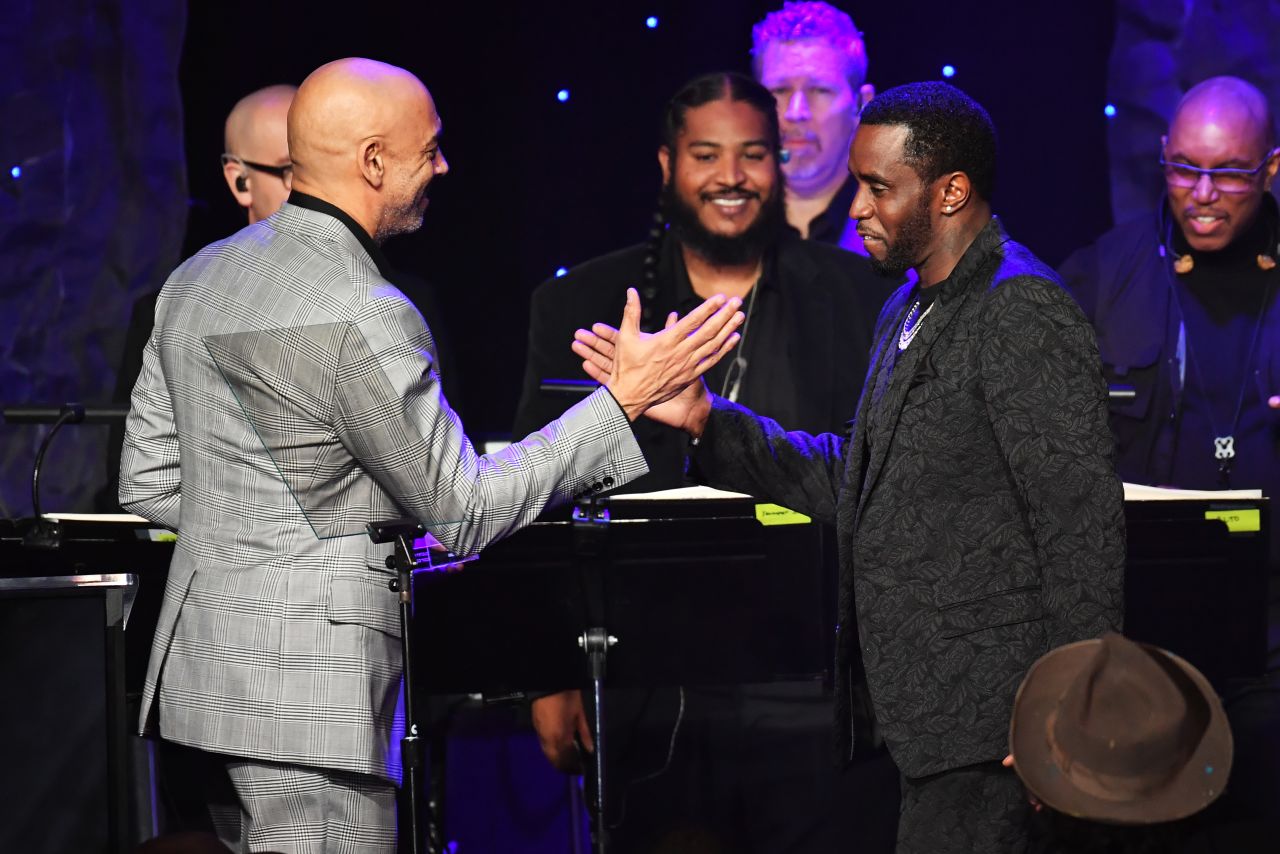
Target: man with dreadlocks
[{"x": 722, "y": 229}]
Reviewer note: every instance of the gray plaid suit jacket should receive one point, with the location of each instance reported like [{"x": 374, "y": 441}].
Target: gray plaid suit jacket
[{"x": 287, "y": 397}]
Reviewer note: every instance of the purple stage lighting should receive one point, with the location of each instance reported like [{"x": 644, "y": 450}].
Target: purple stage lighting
[
  {"x": 1109, "y": 111},
  {"x": 651, "y": 22},
  {"x": 560, "y": 271},
  {"x": 15, "y": 173},
  {"x": 948, "y": 71},
  {"x": 562, "y": 95}
]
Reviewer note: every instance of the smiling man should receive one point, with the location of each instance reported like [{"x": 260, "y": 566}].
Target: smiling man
[
  {"x": 813, "y": 59},
  {"x": 977, "y": 515},
  {"x": 289, "y": 397},
  {"x": 1184, "y": 303},
  {"x": 809, "y": 309}
]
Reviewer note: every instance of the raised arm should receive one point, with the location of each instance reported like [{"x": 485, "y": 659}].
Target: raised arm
[
  {"x": 737, "y": 449},
  {"x": 390, "y": 414}
]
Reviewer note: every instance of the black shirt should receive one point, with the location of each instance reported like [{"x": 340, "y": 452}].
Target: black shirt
[
  {"x": 1223, "y": 300},
  {"x": 311, "y": 203},
  {"x": 806, "y": 346},
  {"x": 829, "y": 226},
  {"x": 760, "y": 367}
]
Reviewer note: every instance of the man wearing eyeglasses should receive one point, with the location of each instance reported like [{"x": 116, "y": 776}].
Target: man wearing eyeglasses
[
  {"x": 1187, "y": 313},
  {"x": 256, "y": 163},
  {"x": 259, "y": 174},
  {"x": 1184, "y": 303}
]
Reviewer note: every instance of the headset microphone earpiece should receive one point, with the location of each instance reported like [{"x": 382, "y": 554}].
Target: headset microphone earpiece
[
  {"x": 242, "y": 184},
  {"x": 784, "y": 155}
]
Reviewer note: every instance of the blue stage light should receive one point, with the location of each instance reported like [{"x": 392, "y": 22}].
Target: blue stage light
[
  {"x": 15, "y": 172},
  {"x": 1109, "y": 111},
  {"x": 560, "y": 271},
  {"x": 562, "y": 95},
  {"x": 651, "y": 22},
  {"x": 948, "y": 71}
]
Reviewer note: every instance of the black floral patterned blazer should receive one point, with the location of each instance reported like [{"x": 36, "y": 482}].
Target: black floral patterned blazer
[{"x": 979, "y": 517}]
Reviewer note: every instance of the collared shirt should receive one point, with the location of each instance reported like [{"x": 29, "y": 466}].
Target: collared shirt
[
  {"x": 303, "y": 200},
  {"x": 415, "y": 289}
]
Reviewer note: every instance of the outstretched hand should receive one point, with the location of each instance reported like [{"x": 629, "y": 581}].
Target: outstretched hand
[
  {"x": 686, "y": 411},
  {"x": 643, "y": 370}
]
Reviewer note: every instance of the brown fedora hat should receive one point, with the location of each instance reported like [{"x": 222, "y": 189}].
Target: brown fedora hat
[{"x": 1119, "y": 732}]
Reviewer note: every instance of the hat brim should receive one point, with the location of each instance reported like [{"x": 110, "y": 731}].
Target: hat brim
[{"x": 1196, "y": 784}]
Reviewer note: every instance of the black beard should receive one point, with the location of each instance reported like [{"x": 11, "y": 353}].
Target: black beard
[
  {"x": 718, "y": 250},
  {"x": 908, "y": 244}
]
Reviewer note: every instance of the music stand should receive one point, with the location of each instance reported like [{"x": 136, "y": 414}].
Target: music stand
[{"x": 692, "y": 592}]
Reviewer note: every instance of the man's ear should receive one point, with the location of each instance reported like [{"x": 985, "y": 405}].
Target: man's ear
[
  {"x": 957, "y": 190},
  {"x": 865, "y": 93},
  {"x": 238, "y": 183},
  {"x": 1269, "y": 173},
  {"x": 664, "y": 160},
  {"x": 373, "y": 161}
]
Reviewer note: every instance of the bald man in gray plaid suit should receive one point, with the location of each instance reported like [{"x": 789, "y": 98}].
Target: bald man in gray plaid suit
[{"x": 288, "y": 396}]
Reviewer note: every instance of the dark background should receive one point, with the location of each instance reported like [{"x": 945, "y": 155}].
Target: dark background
[
  {"x": 536, "y": 184},
  {"x": 115, "y": 112}
]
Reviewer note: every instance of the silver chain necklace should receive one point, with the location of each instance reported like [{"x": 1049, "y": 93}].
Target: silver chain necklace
[{"x": 911, "y": 324}]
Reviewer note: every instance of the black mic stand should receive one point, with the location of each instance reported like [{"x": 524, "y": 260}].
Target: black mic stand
[
  {"x": 45, "y": 533},
  {"x": 405, "y": 560},
  {"x": 590, "y": 540}
]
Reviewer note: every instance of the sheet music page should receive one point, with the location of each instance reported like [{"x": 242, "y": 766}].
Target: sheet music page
[
  {"x": 1141, "y": 492},
  {"x": 105, "y": 518},
  {"x": 684, "y": 493}
]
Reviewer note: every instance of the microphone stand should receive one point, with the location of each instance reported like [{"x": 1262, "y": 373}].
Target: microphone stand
[
  {"x": 406, "y": 559},
  {"x": 44, "y": 533}
]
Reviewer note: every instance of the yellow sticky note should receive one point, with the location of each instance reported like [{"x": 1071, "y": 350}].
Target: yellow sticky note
[
  {"x": 773, "y": 514},
  {"x": 1240, "y": 521}
]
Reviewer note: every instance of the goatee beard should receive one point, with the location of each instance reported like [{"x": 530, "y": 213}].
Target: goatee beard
[
  {"x": 908, "y": 244},
  {"x": 720, "y": 250}
]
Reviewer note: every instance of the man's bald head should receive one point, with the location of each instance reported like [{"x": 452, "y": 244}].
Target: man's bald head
[
  {"x": 256, "y": 133},
  {"x": 1235, "y": 105},
  {"x": 255, "y": 115},
  {"x": 1222, "y": 123},
  {"x": 364, "y": 135}
]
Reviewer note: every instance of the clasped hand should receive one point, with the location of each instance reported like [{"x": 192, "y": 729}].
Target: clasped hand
[{"x": 644, "y": 370}]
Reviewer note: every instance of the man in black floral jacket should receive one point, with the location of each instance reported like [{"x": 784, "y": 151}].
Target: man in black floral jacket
[{"x": 979, "y": 517}]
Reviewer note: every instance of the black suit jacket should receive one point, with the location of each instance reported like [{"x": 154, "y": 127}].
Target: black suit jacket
[
  {"x": 979, "y": 519},
  {"x": 828, "y": 299}
]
